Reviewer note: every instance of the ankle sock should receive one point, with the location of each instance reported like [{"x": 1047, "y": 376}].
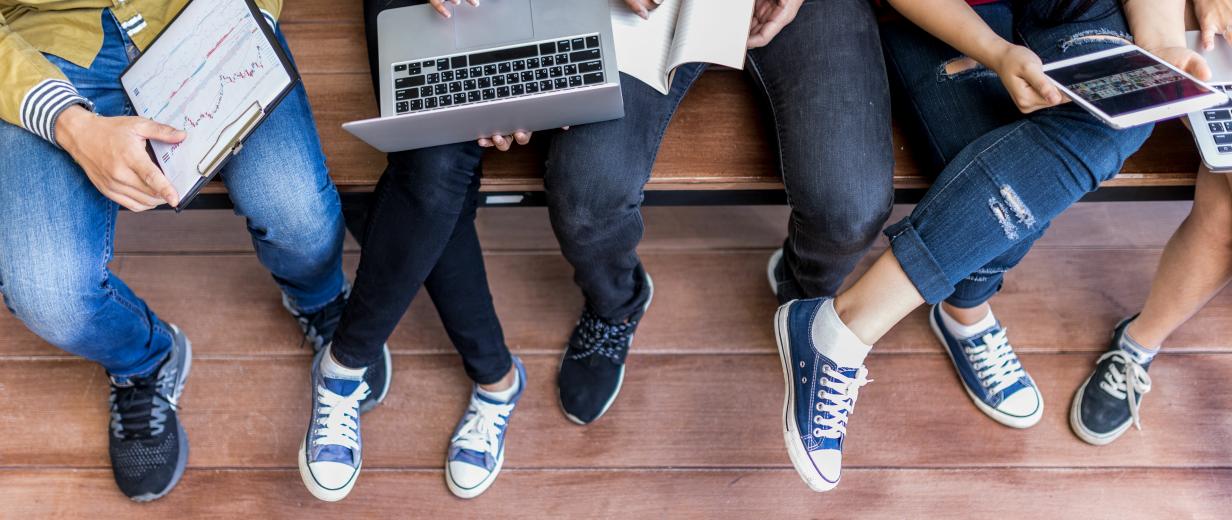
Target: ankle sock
[
  {"x": 505, "y": 395},
  {"x": 1141, "y": 354},
  {"x": 332, "y": 369},
  {"x": 833, "y": 339},
  {"x": 962, "y": 331}
]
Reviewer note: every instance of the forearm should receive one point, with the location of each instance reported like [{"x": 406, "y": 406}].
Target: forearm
[
  {"x": 1156, "y": 24},
  {"x": 957, "y": 24}
]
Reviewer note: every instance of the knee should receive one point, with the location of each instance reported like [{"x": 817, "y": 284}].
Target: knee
[
  {"x": 845, "y": 214},
  {"x": 309, "y": 224},
  {"x": 588, "y": 205},
  {"x": 55, "y": 302}
]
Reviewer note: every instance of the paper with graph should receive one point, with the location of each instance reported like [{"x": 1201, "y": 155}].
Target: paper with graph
[
  {"x": 214, "y": 73},
  {"x": 679, "y": 32}
]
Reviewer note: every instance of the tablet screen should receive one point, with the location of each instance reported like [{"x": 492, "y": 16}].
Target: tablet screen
[{"x": 1127, "y": 82}]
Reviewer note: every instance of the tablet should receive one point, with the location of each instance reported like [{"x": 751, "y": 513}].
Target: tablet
[{"x": 1127, "y": 86}]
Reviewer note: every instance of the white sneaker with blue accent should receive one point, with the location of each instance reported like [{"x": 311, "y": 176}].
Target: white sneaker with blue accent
[
  {"x": 331, "y": 454},
  {"x": 821, "y": 392},
  {"x": 477, "y": 450},
  {"x": 991, "y": 374}
]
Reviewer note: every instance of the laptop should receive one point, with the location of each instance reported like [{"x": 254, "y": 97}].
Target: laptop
[
  {"x": 501, "y": 67},
  {"x": 1212, "y": 128}
]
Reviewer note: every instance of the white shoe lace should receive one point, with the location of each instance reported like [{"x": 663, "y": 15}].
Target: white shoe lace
[
  {"x": 338, "y": 416},
  {"x": 1118, "y": 382},
  {"x": 481, "y": 430},
  {"x": 994, "y": 361},
  {"x": 838, "y": 406}
]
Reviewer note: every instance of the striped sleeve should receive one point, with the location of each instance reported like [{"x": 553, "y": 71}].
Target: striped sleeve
[{"x": 33, "y": 92}]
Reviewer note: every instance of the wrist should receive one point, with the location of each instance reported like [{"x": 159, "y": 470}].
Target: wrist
[
  {"x": 70, "y": 124},
  {"x": 996, "y": 54}
]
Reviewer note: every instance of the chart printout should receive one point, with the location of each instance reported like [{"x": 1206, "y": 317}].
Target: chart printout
[{"x": 203, "y": 75}]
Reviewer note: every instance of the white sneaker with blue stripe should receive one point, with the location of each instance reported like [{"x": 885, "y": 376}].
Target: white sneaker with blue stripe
[
  {"x": 331, "y": 454},
  {"x": 822, "y": 383},
  {"x": 477, "y": 450},
  {"x": 991, "y": 374}
]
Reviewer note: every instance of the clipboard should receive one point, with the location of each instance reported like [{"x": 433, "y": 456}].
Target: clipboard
[{"x": 196, "y": 72}]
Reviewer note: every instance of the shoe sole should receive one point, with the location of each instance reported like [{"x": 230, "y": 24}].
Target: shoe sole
[
  {"x": 774, "y": 262},
  {"x": 620, "y": 381},
  {"x": 181, "y": 461},
  {"x": 993, "y": 413},
  {"x": 791, "y": 434},
  {"x": 1088, "y": 436},
  {"x": 323, "y": 493},
  {"x": 389, "y": 371},
  {"x": 465, "y": 493}
]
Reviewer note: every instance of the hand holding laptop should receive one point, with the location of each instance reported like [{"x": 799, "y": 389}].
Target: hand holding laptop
[{"x": 1214, "y": 17}]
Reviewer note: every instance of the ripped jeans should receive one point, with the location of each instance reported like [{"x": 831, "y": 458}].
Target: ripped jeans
[{"x": 1003, "y": 175}]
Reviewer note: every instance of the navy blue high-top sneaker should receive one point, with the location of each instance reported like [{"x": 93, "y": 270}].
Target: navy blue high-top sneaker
[
  {"x": 991, "y": 374},
  {"x": 821, "y": 383},
  {"x": 331, "y": 453}
]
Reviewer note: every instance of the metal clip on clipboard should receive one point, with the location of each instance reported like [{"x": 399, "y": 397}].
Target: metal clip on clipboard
[{"x": 222, "y": 149}]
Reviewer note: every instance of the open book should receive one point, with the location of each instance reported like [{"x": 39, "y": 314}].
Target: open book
[{"x": 679, "y": 32}]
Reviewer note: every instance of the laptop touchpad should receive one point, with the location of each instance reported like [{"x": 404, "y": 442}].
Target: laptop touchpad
[{"x": 492, "y": 23}]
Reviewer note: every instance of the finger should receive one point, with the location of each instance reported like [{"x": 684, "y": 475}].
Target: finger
[
  {"x": 156, "y": 181},
  {"x": 502, "y": 142},
  {"x": 439, "y": 5},
  {"x": 474, "y": 3},
  {"x": 126, "y": 184},
  {"x": 159, "y": 132},
  {"x": 128, "y": 202},
  {"x": 486, "y": 143},
  {"x": 521, "y": 137},
  {"x": 142, "y": 199},
  {"x": 1042, "y": 86},
  {"x": 639, "y": 7},
  {"x": 1227, "y": 33},
  {"x": 1208, "y": 35},
  {"x": 1026, "y": 97},
  {"x": 1197, "y": 66}
]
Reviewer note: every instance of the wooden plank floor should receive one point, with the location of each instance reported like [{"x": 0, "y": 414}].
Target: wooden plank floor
[{"x": 692, "y": 435}]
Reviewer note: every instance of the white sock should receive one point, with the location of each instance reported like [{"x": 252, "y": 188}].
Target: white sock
[
  {"x": 1142, "y": 354},
  {"x": 961, "y": 331},
  {"x": 332, "y": 369},
  {"x": 505, "y": 395},
  {"x": 834, "y": 340}
]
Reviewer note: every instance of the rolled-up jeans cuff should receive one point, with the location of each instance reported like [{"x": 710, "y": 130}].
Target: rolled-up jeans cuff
[
  {"x": 968, "y": 301},
  {"x": 916, "y": 260}
]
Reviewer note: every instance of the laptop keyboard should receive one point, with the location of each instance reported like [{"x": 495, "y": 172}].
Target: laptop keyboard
[
  {"x": 478, "y": 77},
  {"x": 1219, "y": 121}
]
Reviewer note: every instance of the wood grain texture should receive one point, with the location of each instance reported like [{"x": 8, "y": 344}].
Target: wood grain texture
[
  {"x": 251, "y": 413},
  {"x": 1128, "y": 494}
]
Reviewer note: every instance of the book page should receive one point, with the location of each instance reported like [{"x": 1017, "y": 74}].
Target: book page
[
  {"x": 643, "y": 47},
  {"x": 210, "y": 71},
  {"x": 712, "y": 31}
]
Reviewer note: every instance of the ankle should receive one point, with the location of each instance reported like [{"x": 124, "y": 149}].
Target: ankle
[
  {"x": 967, "y": 316},
  {"x": 1143, "y": 336},
  {"x": 505, "y": 383}
]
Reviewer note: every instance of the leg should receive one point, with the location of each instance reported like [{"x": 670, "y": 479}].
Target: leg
[
  {"x": 834, "y": 139},
  {"x": 594, "y": 180},
  {"x": 280, "y": 184},
  {"x": 1196, "y": 264},
  {"x": 458, "y": 285},
  {"x": 58, "y": 231}
]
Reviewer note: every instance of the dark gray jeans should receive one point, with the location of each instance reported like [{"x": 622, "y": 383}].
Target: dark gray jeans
[{"x": 824, "y": 86}]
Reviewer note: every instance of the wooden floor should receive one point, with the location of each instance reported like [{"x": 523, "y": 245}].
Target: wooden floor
[{"x": 694, "y": 432}]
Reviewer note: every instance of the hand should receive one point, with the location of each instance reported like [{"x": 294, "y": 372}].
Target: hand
[
  {"x": 770, "y": 17},
  {"x": 1185, "y": 59},
  {"x": 504, "y": 142},
  {"x": 439, "y": 5},
  {"x": 1022, "y": 73},
  {"x": 643, "y": 7},
  {"x": 112, "y": 151},
  {"x": 1214, "y": 17}
]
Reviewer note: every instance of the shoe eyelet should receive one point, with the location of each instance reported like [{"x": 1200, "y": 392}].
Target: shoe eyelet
[
  {"x": 819, "y": 407},
  {"x": 801, "y": 364},
  {"x": 817, "y": 432},
  {"x": 804, "y": 380},
  {"x": 817, "y": 419}
]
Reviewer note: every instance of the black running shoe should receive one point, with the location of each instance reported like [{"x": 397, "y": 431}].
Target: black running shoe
[
  {"x": 319, "y": 328},
  {"x": 1107, "y": 403},
  {"x": 593, "y": 366},
  {"x": 149, "y": 448}
]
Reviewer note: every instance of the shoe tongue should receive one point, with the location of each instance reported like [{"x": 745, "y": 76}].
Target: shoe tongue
[
  {"x": 342, "y": 387},
  {"x": 472, "y": 457},
  {"x": 848, "y": 372},
  {"x": 334, "y": 453}
]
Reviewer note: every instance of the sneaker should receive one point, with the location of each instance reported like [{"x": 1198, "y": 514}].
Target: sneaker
[
  {"x": 1107, "y": 402},
  {"x": 819, "y": 396},
  {"x": 148, "y": 445},
  {"x": 331, "y": 453},
  {"x": 592, "y": 368},
  {"x": 991, "y": 374},
  {"x": 318, "y": 329},
  {"x": 477, "y": 449}
]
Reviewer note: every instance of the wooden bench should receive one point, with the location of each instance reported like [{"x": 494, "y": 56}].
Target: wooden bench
[{"x": 716, "y": 150}]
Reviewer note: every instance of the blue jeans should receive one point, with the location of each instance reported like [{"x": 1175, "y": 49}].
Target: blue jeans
[
  {"x": 57, "y": 231},
  {"x": 1004, "y": 175},
  {"x": 823, "y": 83}
]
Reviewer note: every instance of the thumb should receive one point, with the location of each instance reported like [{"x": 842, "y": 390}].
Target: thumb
[
  {"x": 1197, "y": 66},
  {"x": 1042, "y": 85},
  {"x": 159, "y": 132}
]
